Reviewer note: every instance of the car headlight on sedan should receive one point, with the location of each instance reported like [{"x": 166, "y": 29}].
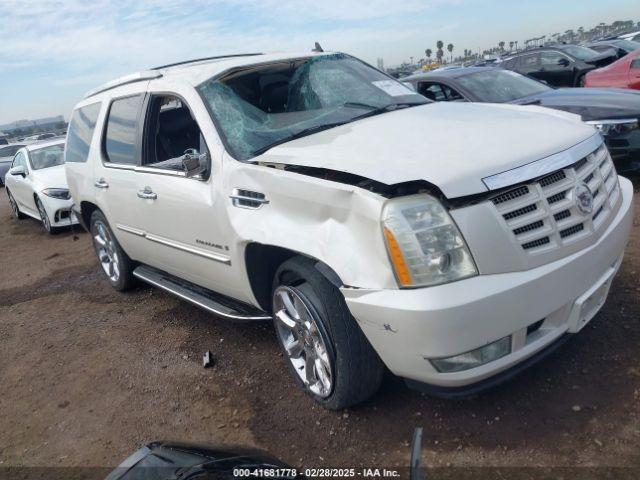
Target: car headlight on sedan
[
  {"x": 424, "y": 244},
  {"x": 59, "y": 193},
  {"x": 615, "y": 126}
]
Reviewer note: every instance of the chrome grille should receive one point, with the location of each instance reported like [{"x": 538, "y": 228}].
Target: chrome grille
[{"x": 543, "y": 215}]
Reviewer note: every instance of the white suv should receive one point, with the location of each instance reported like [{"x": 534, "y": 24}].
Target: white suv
[{"x": 452, "y": 243}]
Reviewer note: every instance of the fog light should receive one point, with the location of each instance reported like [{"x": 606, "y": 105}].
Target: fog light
[{"x": 474, "y": 358}]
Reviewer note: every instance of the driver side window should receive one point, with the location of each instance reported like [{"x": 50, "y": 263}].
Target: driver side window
[
  {"x": 170, "y": 132},
  {"x": 433, "y": 91}
]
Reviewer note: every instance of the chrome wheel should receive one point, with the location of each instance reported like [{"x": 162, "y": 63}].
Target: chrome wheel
[
  {"x": 303, "y": 341},
  {"x": 14, "y": 206},
  {"x": 46, "y": 224},
  {"x": 106, "y": 251}
]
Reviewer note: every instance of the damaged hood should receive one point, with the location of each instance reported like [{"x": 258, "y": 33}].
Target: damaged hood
[{"x": 451, "y": 145}]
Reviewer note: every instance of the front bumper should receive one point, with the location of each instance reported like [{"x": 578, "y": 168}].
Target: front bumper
[
  {"x": 59, "y": 211},
  {"x": 408, "y": 327}
]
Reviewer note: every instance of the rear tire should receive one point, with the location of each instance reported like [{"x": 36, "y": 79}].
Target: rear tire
[
  {"x": 116, "y": 264},
  {"x": 353, "y": 368},
  {"x": 15, "y": 210},
  {"x": 581, "y": 81}
]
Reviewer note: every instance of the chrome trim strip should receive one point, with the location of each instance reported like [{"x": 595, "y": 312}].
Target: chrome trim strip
[
  {"x": 119, "y": 166},
  {"x": 186, "y": 248},
  {"x": 177, "y": 245},
  {"x": 193, "y": 301},
  {"x": 546, "y": 165},
  {"x": 134, "y": 231},
  {"x": 159, "y": 171}
]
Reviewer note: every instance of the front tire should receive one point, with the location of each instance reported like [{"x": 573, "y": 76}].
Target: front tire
[
  {"x": 115, "y": 263},
  {"x": 327, "y": 353},
  {"x": 44, "y": 218}
]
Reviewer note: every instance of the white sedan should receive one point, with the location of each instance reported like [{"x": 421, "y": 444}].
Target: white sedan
[{"x": 37, "y": 186}]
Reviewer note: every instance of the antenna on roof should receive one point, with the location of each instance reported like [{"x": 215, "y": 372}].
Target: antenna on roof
[{"x": 317, "y": 48}]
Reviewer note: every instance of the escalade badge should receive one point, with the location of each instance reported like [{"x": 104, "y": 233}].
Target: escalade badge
[{"x": 584, "y": 198}]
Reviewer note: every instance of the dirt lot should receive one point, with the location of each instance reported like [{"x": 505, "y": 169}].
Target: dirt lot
[{"x": 88, "y": 375}]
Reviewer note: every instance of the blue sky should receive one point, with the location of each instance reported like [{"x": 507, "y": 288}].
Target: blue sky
[{"x": 53, "y": 51}]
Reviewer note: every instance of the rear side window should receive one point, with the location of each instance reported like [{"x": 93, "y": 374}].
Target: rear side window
[
  {"x": 635, "y": 65},
  {"x": 122, "y": 130},
  {"x": 81, "y": 127}
]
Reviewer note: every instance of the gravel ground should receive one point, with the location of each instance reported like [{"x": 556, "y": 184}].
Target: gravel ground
[{"x": 88, "y": 375}]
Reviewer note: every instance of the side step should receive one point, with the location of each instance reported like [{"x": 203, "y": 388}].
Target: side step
[{"x": 207, "y": 299}]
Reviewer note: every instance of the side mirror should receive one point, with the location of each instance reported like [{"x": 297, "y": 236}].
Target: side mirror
[
  {"x": 18, "y": 171},
  {"x": 410, "y": 85},
  {"x": 563, "y": 62},
  {"x": 194, "y": 162}
]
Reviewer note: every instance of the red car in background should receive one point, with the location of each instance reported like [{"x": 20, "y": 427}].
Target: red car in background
[{"x": 625, "y": 73}]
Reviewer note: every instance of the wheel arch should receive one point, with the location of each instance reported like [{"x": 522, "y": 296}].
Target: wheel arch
[
  {"x": 262, "y": 262},
  {"x": 86, "y": 210}
]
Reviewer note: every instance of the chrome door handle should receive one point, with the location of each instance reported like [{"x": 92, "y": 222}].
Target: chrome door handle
[
  {"x": 147, "y": 194},
  {"x": 101, "y": 183}
]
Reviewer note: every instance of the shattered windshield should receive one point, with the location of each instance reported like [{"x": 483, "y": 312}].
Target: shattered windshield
[{"x": 264, "y": 105}]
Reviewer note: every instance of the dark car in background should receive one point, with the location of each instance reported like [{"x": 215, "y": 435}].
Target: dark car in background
[
  {"x": 6, "y": 157},
  {"x": 615, "y": 112},
  {"x": 561, "y": 65},
  {"x": 620, "y": 46}
]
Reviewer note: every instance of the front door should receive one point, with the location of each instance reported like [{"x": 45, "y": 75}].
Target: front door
[
  {"x": 558, "y": 69},
  {"x": 20, "y": 187},
  {"x": 184, "y": 220}
]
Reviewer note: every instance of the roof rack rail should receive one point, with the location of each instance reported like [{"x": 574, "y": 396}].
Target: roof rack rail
[
  {"x": 133, "y": 78},
  {"x": 195, "y": 60}
]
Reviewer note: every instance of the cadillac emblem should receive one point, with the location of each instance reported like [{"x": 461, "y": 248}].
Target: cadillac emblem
[{"x": 584, "y": 199}]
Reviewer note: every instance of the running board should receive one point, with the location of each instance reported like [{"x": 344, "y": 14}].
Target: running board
[{"x": 206, "y": 299}]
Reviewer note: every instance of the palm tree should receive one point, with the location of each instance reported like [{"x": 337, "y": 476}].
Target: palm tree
[
  {"x": 439, "y": 53},
  {"x": 428, "y": 53},
  {"x": 511, "y": 44},
  {"x": 450, "y": 50},
  {"x": 501, "y": 45}
]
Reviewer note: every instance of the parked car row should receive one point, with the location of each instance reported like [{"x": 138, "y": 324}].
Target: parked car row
[
  {"x": 615, "y": 112},
  {"x": 453, "y": 243}
]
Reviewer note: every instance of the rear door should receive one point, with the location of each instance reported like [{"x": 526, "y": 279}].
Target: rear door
[
  {"x": 529, "y": 64},
  {"x": 115, "y": 183}
]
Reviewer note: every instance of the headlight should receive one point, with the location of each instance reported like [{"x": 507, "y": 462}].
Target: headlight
[
  {"x": 59, "y": 193},
  {"x": 615, "y": 126},
  {"x": 424, "y": 244},
  {"x": 475, "y": 358}
]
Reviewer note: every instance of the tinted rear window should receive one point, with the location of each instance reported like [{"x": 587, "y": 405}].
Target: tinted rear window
[
  {"x": 122, "y": 128},
  {"x": 81, "y": 127}
]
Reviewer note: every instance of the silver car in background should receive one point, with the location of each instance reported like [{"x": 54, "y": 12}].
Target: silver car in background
[{"x": 6, "y": 157}]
